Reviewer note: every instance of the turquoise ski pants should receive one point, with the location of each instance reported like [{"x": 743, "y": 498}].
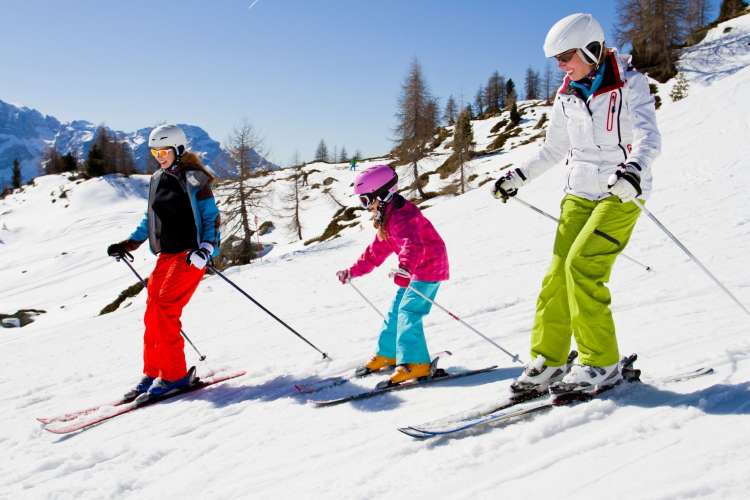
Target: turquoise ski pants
[
  {"x": 574, "y": 298},
  {"x": 402, "y": 335}
]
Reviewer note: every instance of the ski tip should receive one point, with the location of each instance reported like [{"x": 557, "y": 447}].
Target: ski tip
[{"x": 413, "y": 433}]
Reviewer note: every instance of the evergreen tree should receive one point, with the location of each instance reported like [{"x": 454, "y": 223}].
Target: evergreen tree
[
  {"x": 463, "y": 143},
  {"x": 449, "y": 116},
  {"x": 680, "y": 88},
  {"x": 321, "y": 154},
  {"x": 95, "y": 165},
  {"x": 510, "y": 93},
  {"x": 70, "y": 162},
  {"x": 16, "y": 179},
  {"x": 417, "y": 119},
  {"x": 343, "y": 155},
  {"x": 515, "y": 116},
  {"x": 357, "y": 155}
]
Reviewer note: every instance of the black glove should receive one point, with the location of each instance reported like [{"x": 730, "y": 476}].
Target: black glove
[{"x": 117, "y": 249}]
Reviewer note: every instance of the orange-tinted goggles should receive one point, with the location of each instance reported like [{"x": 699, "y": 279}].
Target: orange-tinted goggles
[
  {"x": 566, "y": 56},
  {"x": 160, "y": 154}
]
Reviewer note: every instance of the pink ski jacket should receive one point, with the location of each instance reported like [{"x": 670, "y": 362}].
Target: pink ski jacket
[{"x": 419, "y": 247}]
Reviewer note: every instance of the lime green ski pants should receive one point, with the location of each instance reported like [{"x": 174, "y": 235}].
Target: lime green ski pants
[{"x": 574, "y": 296}]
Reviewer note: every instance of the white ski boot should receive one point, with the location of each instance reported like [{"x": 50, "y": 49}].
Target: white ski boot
[
  {"x": 586, "y": 379},
  {"x": 537, "y": 376}
]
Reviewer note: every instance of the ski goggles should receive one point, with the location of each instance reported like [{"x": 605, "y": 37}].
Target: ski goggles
[
  {"x": 160, "y": 154},
  {"x": 366, "y": 200},
  {"x": 566, "y": 56}
]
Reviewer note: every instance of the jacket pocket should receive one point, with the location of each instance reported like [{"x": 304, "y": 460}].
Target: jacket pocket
[{"x": 584, "y": 178}]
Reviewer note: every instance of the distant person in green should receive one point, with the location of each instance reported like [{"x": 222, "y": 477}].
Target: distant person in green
[
  {"x": 603, "y": 131},
  {"x": 353, "y": 164}
]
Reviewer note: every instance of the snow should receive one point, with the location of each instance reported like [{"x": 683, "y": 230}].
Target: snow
[{"x": 254, "y": 438}]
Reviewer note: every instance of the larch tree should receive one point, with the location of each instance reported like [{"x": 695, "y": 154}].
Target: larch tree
[
  {"x": 417, "y": 119},
  {"x": 463, "y": 143},
  {"x": 241, "y": 195}
]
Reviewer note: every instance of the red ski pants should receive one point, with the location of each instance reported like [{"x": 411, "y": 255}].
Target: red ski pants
[{"x": 170, "y": 286}]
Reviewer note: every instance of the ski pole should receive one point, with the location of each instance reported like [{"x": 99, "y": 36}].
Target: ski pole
[
  {"x": 545, "y": 214},
  {"x": 213, "y": 268},
  {"x": 689, "y": 254},
  {"x": 127, "y": 258},
  {"x": 367, "y": 300},
  {"x": 514, "y": 357}
]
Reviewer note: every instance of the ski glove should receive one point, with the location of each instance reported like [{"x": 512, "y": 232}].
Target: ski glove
[
  {"x": 120, "y": 249},
  {"x": 199, "y": 258},
  {"x": 344, "y": 276},
  {"x": 507, "y": 185},
  {"x": 625, "y": 183},
  {"x": 401, "y": 277}
]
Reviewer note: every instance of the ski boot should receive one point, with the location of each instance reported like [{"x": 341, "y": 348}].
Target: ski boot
[
  {"x": 376, "y": 363},
  {"x": 161, "y": 388},
  {"x": 537, "y": 377},
  {"x": 139, "y": 389},
  {"x": 410, "y": 371},
  {"x": 586, "y": 380}
]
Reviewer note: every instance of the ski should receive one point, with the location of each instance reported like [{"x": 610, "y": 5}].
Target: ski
[
  {"x": 439, "y": 376},
  {"x": 65, "y": 417},
  {"x": 506, "y": 411},
  {"x": 362, "y": 372},
  {"x": 506, "y": 402},
  {"x": 330, "y": 382},
  {"x": 93, "y": 416}
]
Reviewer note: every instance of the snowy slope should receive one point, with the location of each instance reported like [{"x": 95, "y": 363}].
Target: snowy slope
[{"x": 253, "y": 438}]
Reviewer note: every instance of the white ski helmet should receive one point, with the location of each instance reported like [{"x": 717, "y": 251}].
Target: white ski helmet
[
  {"x": 576, "y": 31},
  {"x": 168, "y": 136}
]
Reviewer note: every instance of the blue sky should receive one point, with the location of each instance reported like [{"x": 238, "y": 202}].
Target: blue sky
[{"x": 299, "y": 71}]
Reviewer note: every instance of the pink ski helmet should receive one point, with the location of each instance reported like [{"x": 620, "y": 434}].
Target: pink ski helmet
[{"x": 379, "y": 181}]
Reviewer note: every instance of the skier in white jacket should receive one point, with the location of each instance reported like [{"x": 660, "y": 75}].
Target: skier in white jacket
[{"x": 603, "y": 127}]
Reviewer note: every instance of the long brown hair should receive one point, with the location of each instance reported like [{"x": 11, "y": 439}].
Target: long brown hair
[
  {"x": 379, "y": 219},
  {"x": 190, "y": 161}
]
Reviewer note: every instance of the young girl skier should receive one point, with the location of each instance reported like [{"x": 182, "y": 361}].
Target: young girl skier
[
  {"x": 422, "y": 265},
  {"x": 603, "y": 124},
  {"x": 182, "y": 226}
]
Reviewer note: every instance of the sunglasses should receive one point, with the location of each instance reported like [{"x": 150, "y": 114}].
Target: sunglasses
[
  {"x": 566, "y": 56},
  {"x": 160, "y": 154}
]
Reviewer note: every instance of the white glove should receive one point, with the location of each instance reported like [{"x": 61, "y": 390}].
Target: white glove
[
  {"x": 625, "y": 183},
  {"x": 199, "y": 258},
  {"x": 507, "y": 185}
]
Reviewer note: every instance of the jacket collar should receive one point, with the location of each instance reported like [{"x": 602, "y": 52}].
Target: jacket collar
[{"x": 611, "y": 78}]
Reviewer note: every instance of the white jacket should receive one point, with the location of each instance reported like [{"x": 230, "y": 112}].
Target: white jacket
[{"x": 617, "y": 124}]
